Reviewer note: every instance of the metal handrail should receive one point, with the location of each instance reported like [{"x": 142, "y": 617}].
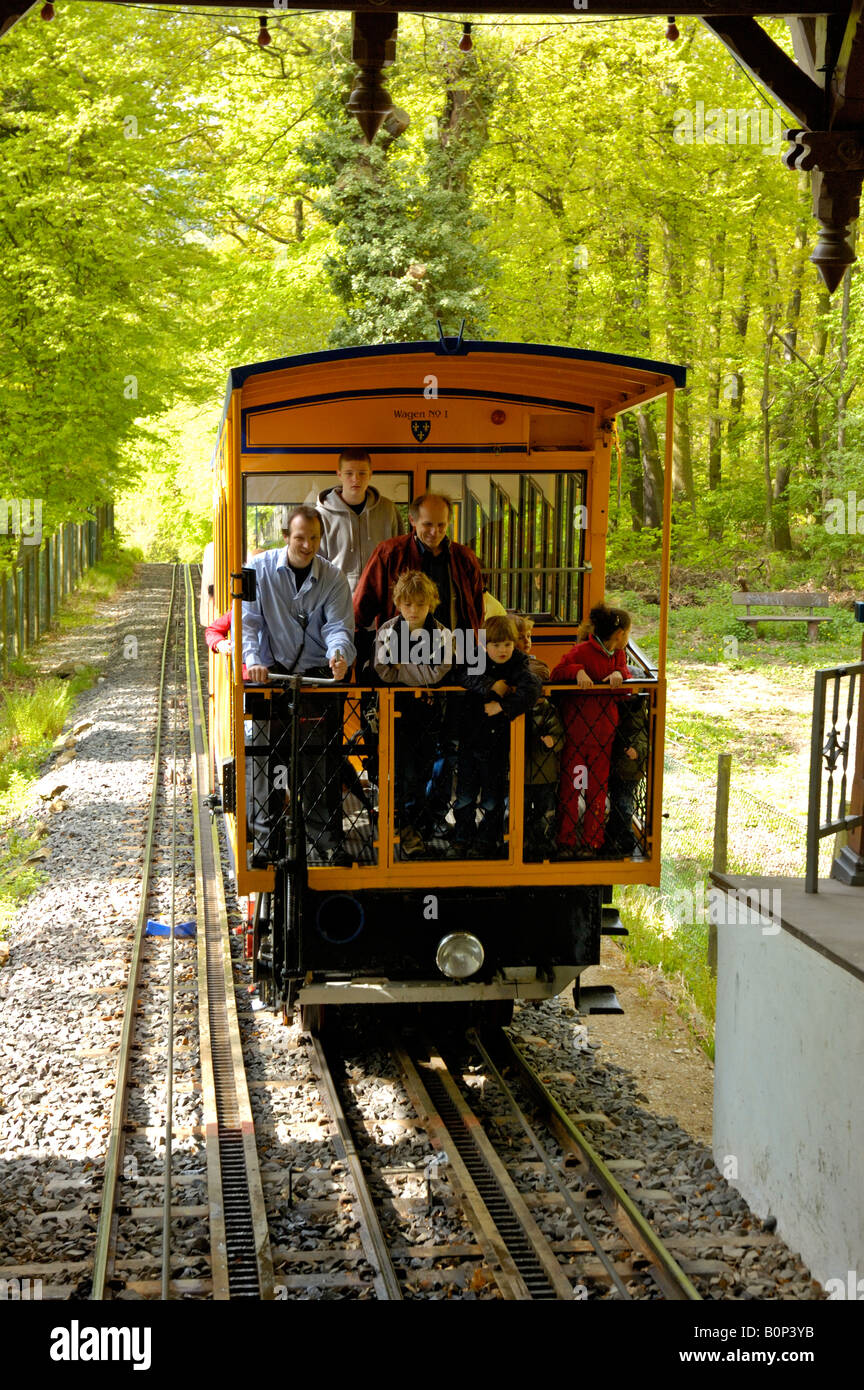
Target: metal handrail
[{"x": 587, "y": 568}]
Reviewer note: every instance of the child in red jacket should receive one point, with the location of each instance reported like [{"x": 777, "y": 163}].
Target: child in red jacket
[
  {"x": 218, "y": 637},
  {"x": 590, "y": 722}
]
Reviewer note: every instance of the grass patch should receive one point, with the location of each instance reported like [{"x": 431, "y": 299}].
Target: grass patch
[
  {"x": 18, "y": 878},
  {"x": 114, "y": 571},
  {"x": 704, "y": 629},
  {"x": 702, "y": 736},
  {"x": 679, "y": 950},
  {"x": 32, "y": 713},
  {"x": 33, "y": 710}
]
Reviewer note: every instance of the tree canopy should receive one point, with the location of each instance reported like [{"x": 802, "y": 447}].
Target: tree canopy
[{"x": 177, "y": 200}]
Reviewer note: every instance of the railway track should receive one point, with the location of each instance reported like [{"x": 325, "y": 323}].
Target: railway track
[
  {"x": 510, "y": 1164},
  {"x": 223, "y": 1173}
]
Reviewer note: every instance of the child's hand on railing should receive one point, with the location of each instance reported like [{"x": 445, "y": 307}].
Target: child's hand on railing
[
  {"x": 492, "y": 707},
  {"x": 583, "y": 678},
  {"x": 615, "y": 678}
]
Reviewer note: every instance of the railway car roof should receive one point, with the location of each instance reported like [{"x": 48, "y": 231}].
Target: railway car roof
[{"x": 453, "y": 347}]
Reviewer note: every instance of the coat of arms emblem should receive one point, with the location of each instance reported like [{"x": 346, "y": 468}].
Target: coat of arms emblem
[{"x": 420, "y": 429}]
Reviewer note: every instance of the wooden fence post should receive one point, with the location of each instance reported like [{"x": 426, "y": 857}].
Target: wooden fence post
[
  {"x": 16, "y": 609},
  {"x": 4, "y": 599},
  {"x": 27, "y": 606},
  {"x": 721, "y": 841},
  {"x": 47, "y": 549},
  {"x": 34, "y": 590},
  {"x": 37, "y": 597}
]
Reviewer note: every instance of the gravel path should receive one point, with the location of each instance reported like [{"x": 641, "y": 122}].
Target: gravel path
[{"x": 61, "y": 994}]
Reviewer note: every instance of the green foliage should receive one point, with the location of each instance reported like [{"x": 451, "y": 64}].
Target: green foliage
[
  {"x": 32, "y": 713},
  {"x": 179, "y": 200},
  {"x": 680, "y": 950},
  {"x": 406, "y": 244},
  {"x": 113, "y": 571},
  {"x": 97, "y": 271},
  {"x": 18, "y": 879}
]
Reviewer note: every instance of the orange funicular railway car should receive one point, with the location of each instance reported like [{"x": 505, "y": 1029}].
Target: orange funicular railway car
[{"x": 519, "y": 438}]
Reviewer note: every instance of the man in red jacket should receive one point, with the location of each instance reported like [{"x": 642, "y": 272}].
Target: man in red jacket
[
  {"x": 455, "y": 572},
  {"x": 453, "y": 568}
]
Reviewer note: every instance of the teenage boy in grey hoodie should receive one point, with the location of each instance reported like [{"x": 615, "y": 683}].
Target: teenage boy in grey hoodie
[{"x": 354, "y": 516}]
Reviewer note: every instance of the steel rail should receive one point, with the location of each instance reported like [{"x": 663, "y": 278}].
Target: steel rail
[
  {"x": 385, "y": 1280},
  {"x": 241, "y": 1260},
  {"x": 107, "y": 1225},
  {"x": 552, "y": 1169},
  {"x": 169, "y": 1041},
  {"x": 669, "y": 1275},
  {"x": 522, "y": 1262}
]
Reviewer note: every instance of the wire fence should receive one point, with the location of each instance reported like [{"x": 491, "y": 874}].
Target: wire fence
[
  {"x": 32, "y": 592},
  {"x": 672, "y": 924},
  {"x": 761, "y": 839}
]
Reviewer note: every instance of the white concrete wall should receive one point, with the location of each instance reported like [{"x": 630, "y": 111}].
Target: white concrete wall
[{"x": 789, "y": 1082}]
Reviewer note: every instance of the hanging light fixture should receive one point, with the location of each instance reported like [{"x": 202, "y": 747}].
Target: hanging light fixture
[
  {"x": 465, "y": 43},
  {"x": 671, "y": 29},
  {"x": 264, "y": 36}
]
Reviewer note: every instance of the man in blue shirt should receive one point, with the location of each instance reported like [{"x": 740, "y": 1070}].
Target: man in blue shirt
[
  {"x": 301, "y": 622},
  {"x": 302, "y": 618}
]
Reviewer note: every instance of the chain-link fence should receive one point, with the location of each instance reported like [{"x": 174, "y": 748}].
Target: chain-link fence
[
  {"x": 669, "y": 926},
  {"x": 761, "y": 839}
]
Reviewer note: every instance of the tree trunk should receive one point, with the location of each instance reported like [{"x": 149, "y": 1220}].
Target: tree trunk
[
  {"x": 765, "y": 408},
  {"x": 845, "y": 389},
  {"x": 633, "y": 480},
  {"x": 682, "y": 458},
  {"x": 784, "y": 433},
  {"x": 679, "y": 351},
  {"x": 735, "y": 385},
  {"x": 715, "y": 423},
  {"x": 652, "y": 474}
]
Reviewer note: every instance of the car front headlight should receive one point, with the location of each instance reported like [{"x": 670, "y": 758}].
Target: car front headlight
[{"x": 459, "y": 955}]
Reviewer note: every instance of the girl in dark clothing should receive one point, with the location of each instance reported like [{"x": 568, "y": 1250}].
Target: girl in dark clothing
[
  {"x": 504, "y": 690},
  {"x": 629, "y": 761},
  {"x": 590, "y": 722}
]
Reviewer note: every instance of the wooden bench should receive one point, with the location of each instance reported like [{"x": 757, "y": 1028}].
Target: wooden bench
[{"x": 785, "y": 598}]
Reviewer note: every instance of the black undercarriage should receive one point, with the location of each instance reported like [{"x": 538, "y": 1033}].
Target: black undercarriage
[{"x": 305, "y": 936}]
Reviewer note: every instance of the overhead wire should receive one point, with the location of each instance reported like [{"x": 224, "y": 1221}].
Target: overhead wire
[{"x": 275, "y": 12}]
